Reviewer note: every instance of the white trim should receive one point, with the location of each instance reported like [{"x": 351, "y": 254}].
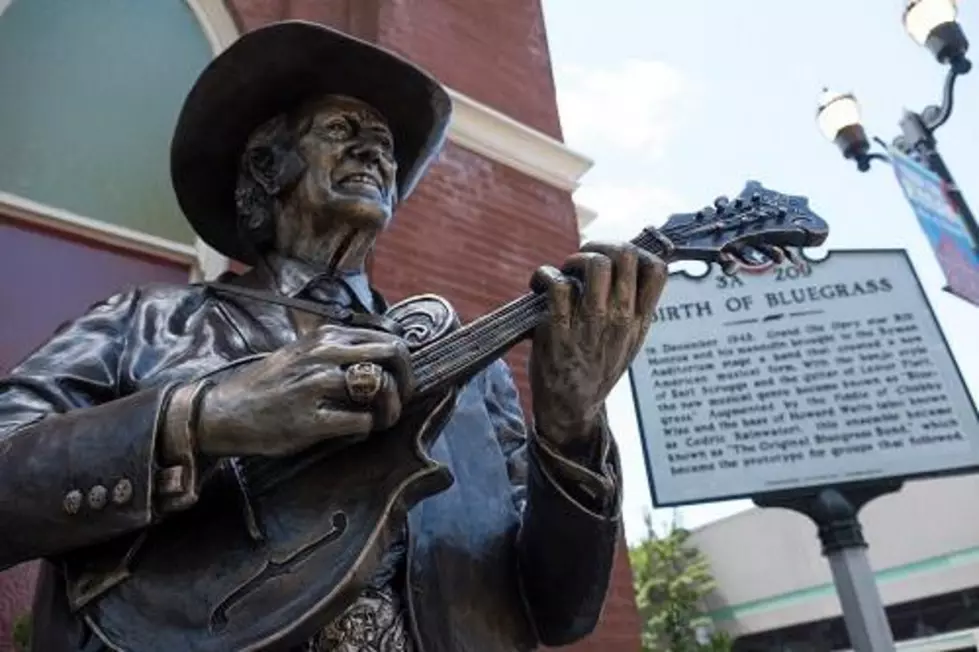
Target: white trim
[
  {"x": 4, "y": 4},
  {"x": 210, "y": 263},
  {"x": 216, "y": 21},
  {"x": 64, "y": 221},
  {"x": 221, "y": 31},
  {"x": 585, "y": 216},
  {"x": 500, "y": 138}
]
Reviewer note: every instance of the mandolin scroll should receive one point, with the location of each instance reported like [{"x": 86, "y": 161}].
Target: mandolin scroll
[{"x": 425, "y": 319}]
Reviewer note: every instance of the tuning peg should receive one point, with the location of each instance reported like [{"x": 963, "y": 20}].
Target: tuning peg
[
  {"x": 756, "y": 198},
  {"x": 794, "y": 256},
  {"x": 729, "y": 265},
  {"x": 721, "y": 203},
  {"x": 752, "y": 255},
  {"x": 777, "y": 254},
  {"x": 752, "y": 258}
]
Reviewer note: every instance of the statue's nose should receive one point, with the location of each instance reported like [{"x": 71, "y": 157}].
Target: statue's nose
[{"x": 367, "y": 151}]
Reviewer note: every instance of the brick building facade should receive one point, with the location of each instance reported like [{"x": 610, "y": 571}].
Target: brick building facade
[{"x": 495, "y": 205}]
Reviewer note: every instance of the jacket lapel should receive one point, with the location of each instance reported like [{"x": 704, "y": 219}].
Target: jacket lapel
[{"x": 264, "y": 326}]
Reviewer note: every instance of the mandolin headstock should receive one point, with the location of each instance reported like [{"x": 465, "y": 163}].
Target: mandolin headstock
[{"x": 759, "y": 228}]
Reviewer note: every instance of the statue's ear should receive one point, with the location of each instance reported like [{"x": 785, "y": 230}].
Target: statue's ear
[{"x": 274, "y": 168}]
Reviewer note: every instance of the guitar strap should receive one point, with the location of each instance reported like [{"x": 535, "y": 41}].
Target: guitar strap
[{"x": 332, "y": 313}]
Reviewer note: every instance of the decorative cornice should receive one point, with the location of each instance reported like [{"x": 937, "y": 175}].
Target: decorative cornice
[
  {"x": 119, "y": 236},
  {"x": 500, "y": 138}
]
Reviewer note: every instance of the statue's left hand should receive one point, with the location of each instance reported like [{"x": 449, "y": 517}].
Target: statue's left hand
[{"x": 592, "y": 335}]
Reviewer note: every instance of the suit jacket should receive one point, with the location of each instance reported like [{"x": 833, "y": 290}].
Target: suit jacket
[{"x": 516, "y": 553}]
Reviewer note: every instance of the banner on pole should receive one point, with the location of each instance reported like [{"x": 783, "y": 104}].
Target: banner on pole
[{"x": 928, "y": 196}]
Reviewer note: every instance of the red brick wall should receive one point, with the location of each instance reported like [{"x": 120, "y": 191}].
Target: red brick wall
[
  {"x": 474, "y": 230},
  {"x": 494, "y": 51}
]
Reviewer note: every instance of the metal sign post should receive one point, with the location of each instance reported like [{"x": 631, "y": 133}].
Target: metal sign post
[{"x": 836, "y": 515}]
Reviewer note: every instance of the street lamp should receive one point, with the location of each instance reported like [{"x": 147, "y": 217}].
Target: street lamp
[
  {"x": 838, "y": 117},
  {"x": 933, "y": 25}
]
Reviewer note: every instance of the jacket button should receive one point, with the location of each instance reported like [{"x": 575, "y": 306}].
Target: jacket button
[
  {"x": 97, "y": 496},
  {"x": 122, "y": 493},
  {"x": 73, "y": 501}
]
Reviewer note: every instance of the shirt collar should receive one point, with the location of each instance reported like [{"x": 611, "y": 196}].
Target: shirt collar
[{"x": 291, "y": 277}]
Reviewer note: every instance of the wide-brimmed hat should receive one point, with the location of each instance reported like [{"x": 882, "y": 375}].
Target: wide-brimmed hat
[{"x": 272, "y": 70}]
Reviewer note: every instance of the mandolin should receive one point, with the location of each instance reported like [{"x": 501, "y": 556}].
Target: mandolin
[{"x": 318, "y": 523}]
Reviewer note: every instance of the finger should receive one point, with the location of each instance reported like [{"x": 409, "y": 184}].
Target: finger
[
  {"x": 559, "y": 291},
  {"x": 341, "y": 422},
  {"x": 392, "y": 354},
  {"x": 347, "y": 335},
  {"x": 594, "y": 270},
  {"x": 387, "y": 404},
  {"x": 625, "y": 263},
  {"x": 652, "y": 277}
]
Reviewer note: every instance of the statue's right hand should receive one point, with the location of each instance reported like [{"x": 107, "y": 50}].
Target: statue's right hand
[{"x": 297, "y": 396}]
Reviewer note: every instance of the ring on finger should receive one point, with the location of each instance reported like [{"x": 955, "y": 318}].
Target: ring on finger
[{"x": 364, "y": 380}]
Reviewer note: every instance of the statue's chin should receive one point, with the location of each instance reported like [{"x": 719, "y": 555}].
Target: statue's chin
[{"x": 356, "y": 212}]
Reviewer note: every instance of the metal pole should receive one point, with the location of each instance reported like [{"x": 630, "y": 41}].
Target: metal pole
[
  {"x": 863, "y": 611},
  {"x": 835, "y": 513}
]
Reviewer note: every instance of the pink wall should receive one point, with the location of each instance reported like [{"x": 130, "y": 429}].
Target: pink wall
[{"x": 46, "y": 279}]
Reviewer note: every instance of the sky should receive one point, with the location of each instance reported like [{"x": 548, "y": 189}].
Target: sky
[{"x": 679, "y": 102}]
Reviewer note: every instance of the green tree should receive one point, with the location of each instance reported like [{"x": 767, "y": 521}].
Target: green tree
[
  {"x": 671, "y": 579},
  {"x": 22, "y": 633}
]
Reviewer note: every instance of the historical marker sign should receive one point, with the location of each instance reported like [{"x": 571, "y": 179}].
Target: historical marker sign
[{"x": 820, "y": 374}]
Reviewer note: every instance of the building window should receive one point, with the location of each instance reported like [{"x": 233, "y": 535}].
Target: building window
[
  {"x": 89, "y": 96},
  {"x": 914, "y": 620}
]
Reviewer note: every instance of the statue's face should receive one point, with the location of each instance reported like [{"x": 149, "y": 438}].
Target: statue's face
[{"x": 350, "y": 166}]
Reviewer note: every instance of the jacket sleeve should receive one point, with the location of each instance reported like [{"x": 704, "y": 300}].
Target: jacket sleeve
[
  {"x": 76, "y": 449},
  {"x": 571, "y": 518}
]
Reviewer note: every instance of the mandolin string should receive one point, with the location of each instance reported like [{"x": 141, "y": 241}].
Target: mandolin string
[
  {"x": 485, "y": 328},
  {"x": 448, "y": 344},
  {"x": 443, "y": 360},
  {"x": 480, "y": 346}
]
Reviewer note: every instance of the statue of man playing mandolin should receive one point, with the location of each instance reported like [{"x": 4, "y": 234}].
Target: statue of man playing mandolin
[{"x": 279, "y": 460}]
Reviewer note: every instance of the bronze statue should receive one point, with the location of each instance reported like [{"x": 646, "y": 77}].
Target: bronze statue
[{"x": 279, "y": 460}]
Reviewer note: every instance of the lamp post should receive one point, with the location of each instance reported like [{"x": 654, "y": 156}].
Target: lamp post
[{"x": 933, "y": 25}]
